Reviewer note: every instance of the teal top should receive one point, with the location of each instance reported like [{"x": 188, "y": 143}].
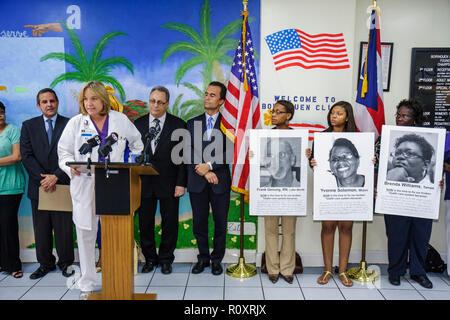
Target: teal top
[{"x": 12, "y": 178}]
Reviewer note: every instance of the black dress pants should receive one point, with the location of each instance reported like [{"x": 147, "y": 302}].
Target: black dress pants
[
  {"x": 200, "y": 203},
  {"x": 45, "y": 223},
  {"x": 9, "y": 233},
  {"x": 408, "y": 239},
  {"x": 169, "y": 225}
]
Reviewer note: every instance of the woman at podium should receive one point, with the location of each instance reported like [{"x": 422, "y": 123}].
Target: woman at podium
[{"x": 97, "y": 125}]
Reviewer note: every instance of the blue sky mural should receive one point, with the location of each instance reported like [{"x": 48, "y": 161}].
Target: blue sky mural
[{"x": 31, "y": 30}]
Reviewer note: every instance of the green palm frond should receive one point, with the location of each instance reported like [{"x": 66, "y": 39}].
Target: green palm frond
[
  {"x": 68, "y": 76},
  {"x": 112, "y": 62},
  {"x": 196, "y": 108},
  {"x": 227, "y": 45},
  {"x": 114, "y": 83},
  {"x": 205, "y": 23},
  {"x": 194, "y": 88},
  {"x": 101, "y": 44},
  {"x": 181, "y": 46},
  {"x": 227, "y": 31},
  {"x": 66, "y": 57},
  {"x": 175, "y": 107},
  {"x": 185, "y": 66},
  {"x": 186, "y": 30},
  {"x": 225, "y": 60},
  {"x": 78, "y": 47}
]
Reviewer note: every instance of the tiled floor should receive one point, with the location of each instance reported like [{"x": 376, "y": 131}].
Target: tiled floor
[{"x": 183, "y": 285}]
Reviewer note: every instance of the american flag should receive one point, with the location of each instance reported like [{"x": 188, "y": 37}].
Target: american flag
[
  {"x": 369, "y": 107},
  {"x": 295, "y": 48},
  {"x": 241, "y": 111}
]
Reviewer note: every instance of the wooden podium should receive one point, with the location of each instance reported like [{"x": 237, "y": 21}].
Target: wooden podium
[{"x": 117, "y": 197}]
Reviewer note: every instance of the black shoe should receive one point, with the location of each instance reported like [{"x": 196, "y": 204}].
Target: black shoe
[
  {"x": 423, "y": 280},
  {"x": 149, "y": 266},
  {"x": 67, "y": 270},
  {"x": 394, "y": 280},
  {"x": 216, "y": 268},
  {"x": 274, "y": 277},
  {"x": 288, "y": 279},
  {"x": 200, "y": 266},
  {"x": 166, "y": 268},
  {"x": 41, "y": 271}
]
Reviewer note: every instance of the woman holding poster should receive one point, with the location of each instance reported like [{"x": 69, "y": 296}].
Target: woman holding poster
[
  {"x": 408, "y": 237},
  {"x": 284, "y": 262},
  {"x": 340, "y": 119}
]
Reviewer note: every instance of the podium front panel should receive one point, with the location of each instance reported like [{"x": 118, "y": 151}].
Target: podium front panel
[{"x": 112, "y": 193}]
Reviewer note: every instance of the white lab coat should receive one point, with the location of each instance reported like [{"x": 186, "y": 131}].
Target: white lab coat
[{"x": 77, "y": 131}]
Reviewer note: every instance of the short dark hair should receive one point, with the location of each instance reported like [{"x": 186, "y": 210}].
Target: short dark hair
[
  {"x": 424, "y": 145},
  {"x": 343, "y": 142},
  {"x": 288, "y": 105},
  {"x": 2, "y": 106},
  {"x": 162, "y": 89},
  {"x": 44, "y": 91},
  {"x": 350, "y": 125},
  {"x": 416, "y": 107},
  {"x": 223, "y": 89}
]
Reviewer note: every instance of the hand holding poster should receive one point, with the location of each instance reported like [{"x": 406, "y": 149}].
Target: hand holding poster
[
  {"x": 411, "y": 161},
  {"x": 278, "y": 181},
  {"x": 343, "y": 177}
]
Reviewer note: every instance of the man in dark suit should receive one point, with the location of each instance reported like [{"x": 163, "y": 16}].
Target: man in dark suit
[
  {"x": 38, "y": 145},
  {"x": 167, "y": 187},
  {"x": 209, "y": 179}
]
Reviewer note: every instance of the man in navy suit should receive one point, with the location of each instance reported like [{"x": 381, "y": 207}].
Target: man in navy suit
[
  {"x": 38, "y": 146},
  {"x": 167, "y": 187},
  {"x": 209, "y": 179}
]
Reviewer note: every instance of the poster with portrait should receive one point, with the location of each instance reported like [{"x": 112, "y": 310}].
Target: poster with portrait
[
  {"x": 410, "y": 169},
  {"x": 343, "y": 176},
  {"x": 278, "y": 169}
]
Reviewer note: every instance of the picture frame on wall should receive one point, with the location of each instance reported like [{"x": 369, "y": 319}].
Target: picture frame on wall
[{"x": 386, "y": 54}]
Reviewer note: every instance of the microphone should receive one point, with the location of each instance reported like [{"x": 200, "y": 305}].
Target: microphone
[
  {"x": 90, "y": 144},
  {"x": 104, "y": 150},
  {"x": 149, "y": 136}
]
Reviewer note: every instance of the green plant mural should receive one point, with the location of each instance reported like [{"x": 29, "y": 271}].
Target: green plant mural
[
  {"x": 90, "y": 67},
  {"x": 207, "y": 50}
]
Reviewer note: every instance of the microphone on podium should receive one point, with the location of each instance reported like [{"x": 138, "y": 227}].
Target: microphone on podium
[
  {"x": 149, "y": 136},
  {"x": 103, "y": 151},
  {"x": 90, "y": 144}
]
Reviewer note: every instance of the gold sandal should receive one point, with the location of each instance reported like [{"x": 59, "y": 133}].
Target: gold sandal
[
  {"x": 324, "y": 277},
  {"x": 345, "y": 279}
]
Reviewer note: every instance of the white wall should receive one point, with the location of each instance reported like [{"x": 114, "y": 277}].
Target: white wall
[{"x": 408, "y": 24}]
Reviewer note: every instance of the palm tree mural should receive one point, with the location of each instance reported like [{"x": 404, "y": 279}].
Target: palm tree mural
[
  {"x": 207, "y": 50},
  {"x": 90, "y": 67}
]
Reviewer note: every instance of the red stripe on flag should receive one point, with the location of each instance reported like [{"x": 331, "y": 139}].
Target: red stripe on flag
[{"x": 298, "y": 64}]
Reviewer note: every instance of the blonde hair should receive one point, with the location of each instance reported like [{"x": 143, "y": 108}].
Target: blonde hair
[{"x": 100, "y": 91}]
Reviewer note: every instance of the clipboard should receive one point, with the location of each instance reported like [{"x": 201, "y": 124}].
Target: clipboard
[{"x": 59, "y": 200}]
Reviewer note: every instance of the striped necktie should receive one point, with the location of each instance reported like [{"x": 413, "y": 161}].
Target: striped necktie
[
  {"x": 157, "y": 131},
  {"x": 209, "y": 127},
  {"x": 49, "y": 131}
]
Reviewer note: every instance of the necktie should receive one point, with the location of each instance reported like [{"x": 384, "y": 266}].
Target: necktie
[
  {"x": 49, "y": 131},
  {"x": 157, "y": 131},
  {"x": 209, "y": 127}
]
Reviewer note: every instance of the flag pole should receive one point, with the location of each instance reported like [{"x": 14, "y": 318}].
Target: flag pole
[
  {"x": 361, "y": 274},
  {"x": 241, "y": 269}
]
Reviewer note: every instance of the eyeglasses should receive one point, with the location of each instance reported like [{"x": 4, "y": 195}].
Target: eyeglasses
[
  {"x": 158, "y": 103},
  {"x": 281, "y": 155},
  {"x": 344, "y": 157},
  {"x": 403, "y": 116},
  {"x": 277, "y": 112},
  {"x": 406, "y": 154}
]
